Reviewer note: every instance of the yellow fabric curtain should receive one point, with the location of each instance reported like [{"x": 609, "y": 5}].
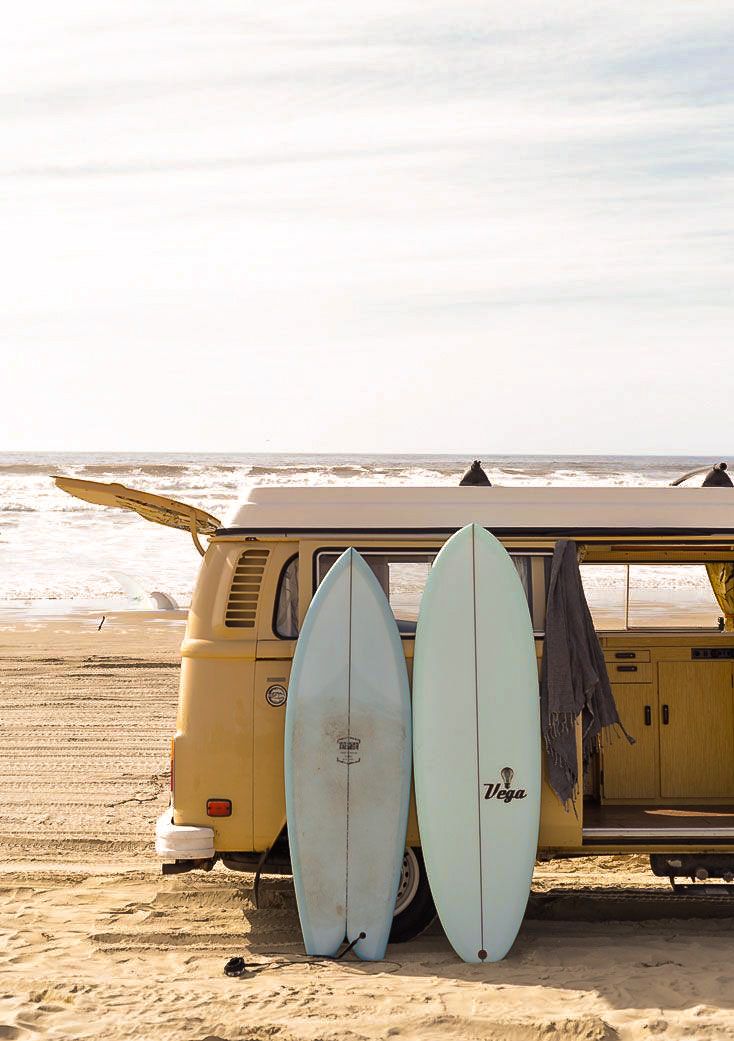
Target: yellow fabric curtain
[{"x": 721, "y": 577}]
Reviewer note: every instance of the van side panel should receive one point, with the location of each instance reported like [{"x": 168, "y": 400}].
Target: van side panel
[
  {"x": 213, "y": 746},
  {"x": 209, "y": 599},
  {"x": 268, "y": 770},
  {"x": 560, "y": 828}
]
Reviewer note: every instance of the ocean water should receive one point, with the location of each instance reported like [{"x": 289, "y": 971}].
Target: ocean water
[{"x": 59, "y": 551}]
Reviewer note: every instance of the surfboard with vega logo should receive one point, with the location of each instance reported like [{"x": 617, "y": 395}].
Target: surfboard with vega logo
[
  {"x": 476, "y": 743},
  {"x": 347, "y": 763}
]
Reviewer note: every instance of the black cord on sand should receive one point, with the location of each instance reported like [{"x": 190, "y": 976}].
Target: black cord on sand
[
  {"x": 239, "y": 968},
  {"x": 101, "y": 623}
]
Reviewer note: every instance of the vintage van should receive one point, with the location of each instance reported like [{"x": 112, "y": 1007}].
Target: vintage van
[{"x": 658, "y": 569}]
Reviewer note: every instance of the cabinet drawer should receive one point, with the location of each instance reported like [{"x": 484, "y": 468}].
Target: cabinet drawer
[
  {"x": 622, "y": 654},
  {"x": 629, "y": 672}
]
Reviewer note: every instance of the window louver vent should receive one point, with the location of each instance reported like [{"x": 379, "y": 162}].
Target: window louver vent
[{"x": 242, "y": 603}]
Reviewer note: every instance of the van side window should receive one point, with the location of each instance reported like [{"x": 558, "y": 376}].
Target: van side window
[
  {"x": 286, "y": 602},
  {"x": 605, "y": 587},
  {"x": 676, "y": 596},
  {"x": 652, "y": 596},
  {"x": 403, "y": 575}
]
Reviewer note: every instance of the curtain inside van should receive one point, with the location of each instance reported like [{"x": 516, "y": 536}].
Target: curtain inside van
[{"x": 721, "y": 577}]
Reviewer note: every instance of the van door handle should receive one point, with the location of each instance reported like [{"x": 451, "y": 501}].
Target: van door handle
[
  {"x": 666, "y": 715},
  {"x": 648, "y": 716},
  {"x": 626, "y": 668}
]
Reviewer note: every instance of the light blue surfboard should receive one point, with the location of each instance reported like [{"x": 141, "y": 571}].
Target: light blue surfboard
[
  {"x": 347, "y": 763},
  {"x": 476, "y": 743}
]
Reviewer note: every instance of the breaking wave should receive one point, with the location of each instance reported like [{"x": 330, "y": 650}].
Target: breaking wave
[{"x": 47, "y": 555}]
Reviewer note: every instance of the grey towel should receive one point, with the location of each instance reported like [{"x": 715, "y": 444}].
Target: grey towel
[{"x": 574, "y": 680}]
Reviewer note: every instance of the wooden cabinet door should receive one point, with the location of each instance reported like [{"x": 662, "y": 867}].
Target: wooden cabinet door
[
  {"x": 696, "y": 724},
  {"x": 631, "y": 771}
]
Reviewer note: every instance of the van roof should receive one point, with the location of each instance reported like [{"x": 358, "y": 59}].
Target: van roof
[{"x": 353, "y": 508}]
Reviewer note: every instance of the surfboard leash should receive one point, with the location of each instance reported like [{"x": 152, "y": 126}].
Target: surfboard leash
[
  {"x": 349, "y": 947},
  {"x": 238, "y": 968}
]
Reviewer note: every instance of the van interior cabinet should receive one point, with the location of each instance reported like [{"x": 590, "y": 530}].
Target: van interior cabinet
[
  {"x": 696, "y": 726},
  {"x": 631, "y": 771},
  {"x": 683, "y": 726}
]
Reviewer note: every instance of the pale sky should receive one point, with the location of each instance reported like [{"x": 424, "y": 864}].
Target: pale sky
[{"x": 404, "y": 226}]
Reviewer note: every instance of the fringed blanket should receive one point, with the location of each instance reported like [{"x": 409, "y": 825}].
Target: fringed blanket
[{"x": 574, "y": 680}]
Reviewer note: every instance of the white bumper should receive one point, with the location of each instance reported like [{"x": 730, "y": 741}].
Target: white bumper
[{"x": 182, "y": 841}]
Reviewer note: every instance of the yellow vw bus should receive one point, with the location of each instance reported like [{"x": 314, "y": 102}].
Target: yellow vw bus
[{"x": 658, "y": 570}]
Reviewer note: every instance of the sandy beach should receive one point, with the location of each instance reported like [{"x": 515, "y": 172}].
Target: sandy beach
[{"x": 96, "y": 943}]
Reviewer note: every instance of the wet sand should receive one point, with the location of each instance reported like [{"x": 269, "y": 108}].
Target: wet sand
[{"x": 97, "y": 944}]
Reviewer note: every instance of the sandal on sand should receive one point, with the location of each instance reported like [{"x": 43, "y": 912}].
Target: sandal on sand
[{"x": 235, "y": 967}]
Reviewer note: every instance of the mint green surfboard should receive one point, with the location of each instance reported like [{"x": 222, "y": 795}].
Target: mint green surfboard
[{"x": 476, "y": 743}]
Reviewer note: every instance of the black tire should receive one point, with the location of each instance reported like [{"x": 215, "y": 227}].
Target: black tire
[{"x": 414, "y": 908}]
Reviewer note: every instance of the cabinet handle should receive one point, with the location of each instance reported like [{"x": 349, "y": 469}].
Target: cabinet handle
[
  {"x": 625, "y": 654},
  {"x": 666, "y": 715},
  {"x": 626, "y": 668},
  {"x": 648, "y": 716}
]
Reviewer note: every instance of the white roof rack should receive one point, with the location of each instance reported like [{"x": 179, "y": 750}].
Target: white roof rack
[{"x": 354, "y": 508}]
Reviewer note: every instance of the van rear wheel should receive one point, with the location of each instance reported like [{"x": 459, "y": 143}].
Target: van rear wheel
[{"x": 414, "y": 907}]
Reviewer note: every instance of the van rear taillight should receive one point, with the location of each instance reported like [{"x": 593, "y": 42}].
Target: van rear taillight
[{"x": 219, "y": 808}]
